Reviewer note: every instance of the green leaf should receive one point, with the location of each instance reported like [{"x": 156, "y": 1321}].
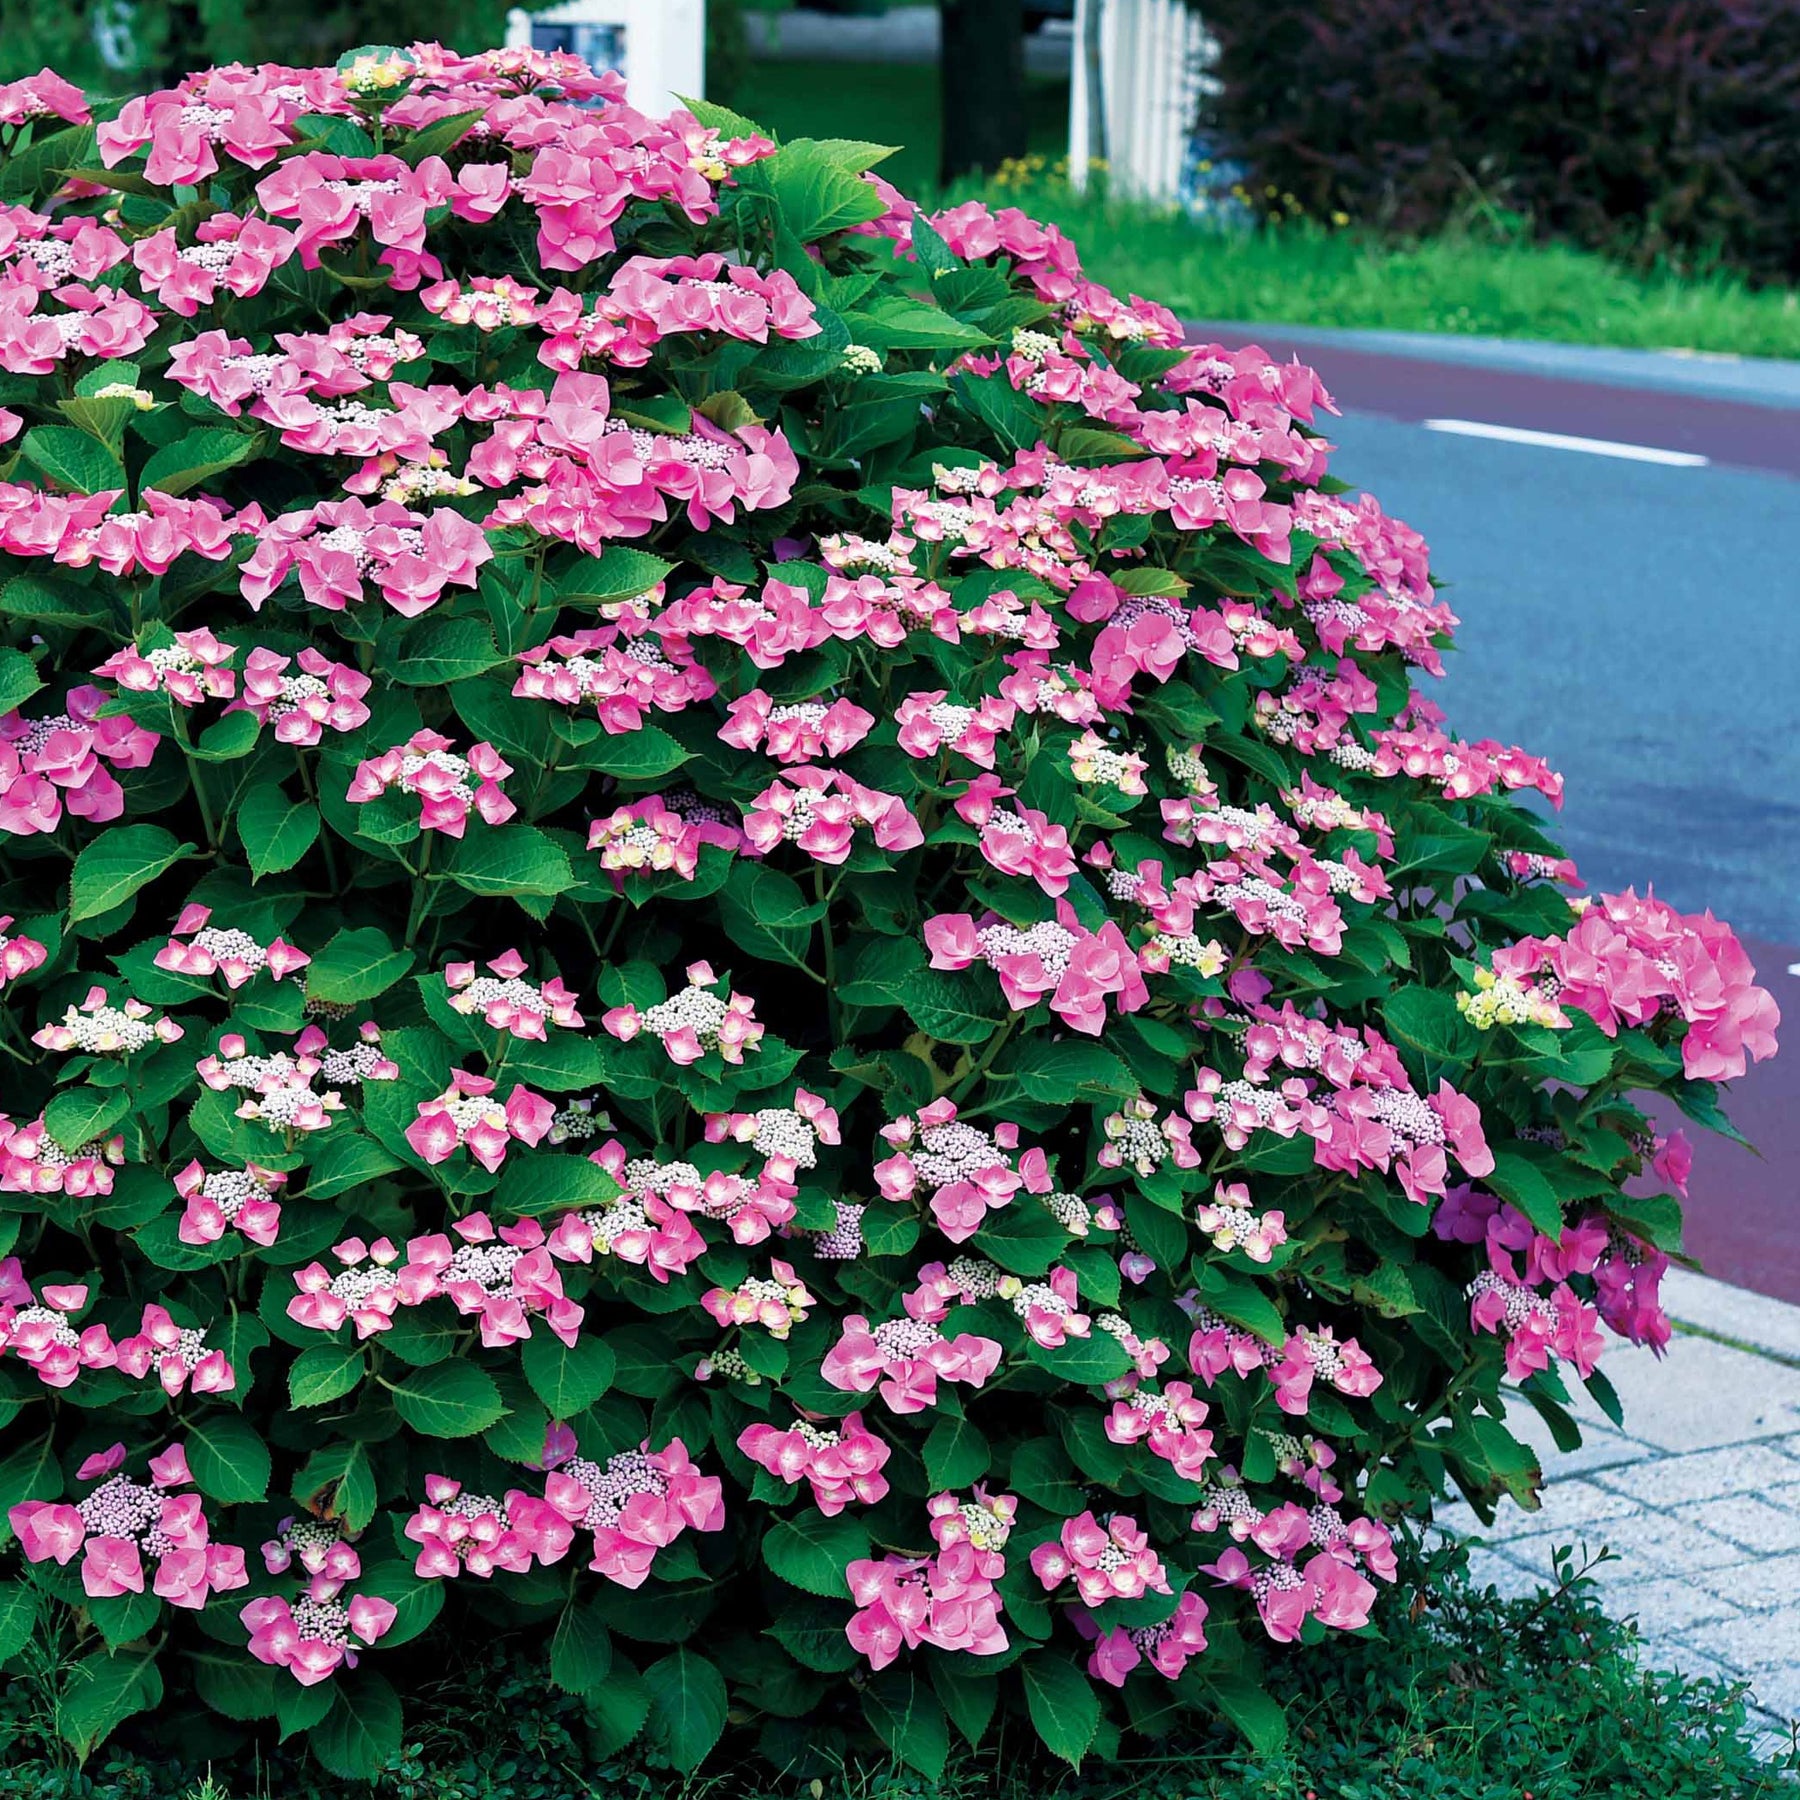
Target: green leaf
[
  {"x": 1252, "y": 1710},
  {"x": 234, "y": 1686},
  {"x": 19, "y": 679},
  {"x": 360, "y": 1735},
  {"x": 338, "y": 1482},
  {"x": 274, "y": 830},
  {"x": 581, "y": 1654},
  {"x": 687, "y": 1706},
  {"x": 814, "y": 189},
  {"x": 227, "y": 1455},
  {"x": 1041, "y": 1474},
  {"x": 343, "y": 1160},
  {"x": 907, "y": 1718},
  {"x": 951, "y": 1007},
  {"x": 439, "y": 651},
  {"x": 616, "y": 1710},
  {"x": 356, "y": 965},
  {"x": 1427, "y": 1020},
  {"x": 767, "y": 912},
  {"x": 642, "y": 755},
  {"x": 530, "y": 1185},
  {"x": 508, "y": 860},
  {"x": 1517, "y": 1179},
  {"x": 44, "y": 163},
  {"x": 566, "y": 1378},
  {"x": 52, "y": 600},
  {"x": 1656, "y": 1218},
  {"x": 956, "y": 1453},
  {"x": 101, "y": 1691},
  {"x": 119, "y": 862},
  {"x": 77, "y": 1114},
  {"x": 71, "y": 459},
  {"x": 18, "y": 1617},
  {"x": 325, "y": 1373},
  {"x": 811, "y": 1552},
  {"x": 812, "y": 1633},
  {"x": 29, "y": 1472},
  {"x": 1063, "y": 1704},
  {"x": 1014, "y": 418},
  {"x": 1090, "y": 1360},
  {"x": 438, "y": 138},
  {"x": 446, "y": 1400},
  {"x": 198, "y": 457},
  {"x": 619, "y": 573},
  {"x": 897, "y": 322},
  {"x": 1060, "y": 1073},
  {"x": 299, "y": 1709},
  {"x": 416, "y": 1600}
]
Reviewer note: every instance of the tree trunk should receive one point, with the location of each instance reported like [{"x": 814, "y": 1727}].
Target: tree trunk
[{"x": 981, "y": 75}]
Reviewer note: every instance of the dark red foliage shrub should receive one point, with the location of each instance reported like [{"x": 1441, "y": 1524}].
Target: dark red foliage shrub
[{"x": 1670, "y": 130}]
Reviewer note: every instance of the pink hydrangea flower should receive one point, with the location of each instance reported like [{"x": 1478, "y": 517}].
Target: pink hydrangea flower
[
  {"x": 796, "y": 732},
  {"x": 932, "y": 722},
  {"x": 904, "y": 1359},
  {"x": 224, "y": 950},
  {"x": 19, "y": 954},
  {"x": 507, "y": 1002},
  {"x": 336, "y": 546},
  {"x": 314, "y": 1643},
  {"x": 447, "y": 785},
  {"x": 1058, "y": 960},
  {"x": 195, "y": 667},
  {"x": 1171, "y": 1422},
  {"x": 469, "y": 1116},
  {"x": 819, "y": 811},
  {"x": 1167, "y": 1647},
  {"x": 1019, "y": 841},
  {"x": 635, "y": 1504},
  {"x": 40, "y": 1330},
  {"x": 777, "y": 1302},
  {"x": 54, "y": 764},
  {"x": 627, "y": 670},
  {"x": 1110, "y": 1560},
  {"x": 693, "y": 1021},
  {"x": 177, "y": 1353},
  {"x": 124, "y": 1524},
  {"x": 323, "y": 696},
  {"x": 841, "y": 1464},
  {"x": 241, "y": 1200},
  {"x": 100, "y": 1028},
  {"x": 649, "y": 837},
  {"x": 461, "y": 1533}
]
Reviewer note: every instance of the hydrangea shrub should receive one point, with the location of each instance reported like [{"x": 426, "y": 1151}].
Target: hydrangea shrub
[{"x": 736, "y": 942}]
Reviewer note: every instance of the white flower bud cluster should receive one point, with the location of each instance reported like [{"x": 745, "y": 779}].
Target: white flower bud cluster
[{"x": 844, "y": 1241}]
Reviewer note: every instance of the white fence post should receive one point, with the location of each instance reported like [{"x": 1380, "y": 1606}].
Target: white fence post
[
  {"x": 1153, "y": 55},
  {"x": 659, "y": 46}
]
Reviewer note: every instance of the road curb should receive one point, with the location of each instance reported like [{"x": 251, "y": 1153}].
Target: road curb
[
  {"x": 1750, "y": 1321},
  {"x": 1752, "y": 380}
]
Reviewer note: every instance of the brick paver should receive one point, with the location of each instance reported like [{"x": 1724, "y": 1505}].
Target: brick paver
[{"x": 1699, "y": 1496}]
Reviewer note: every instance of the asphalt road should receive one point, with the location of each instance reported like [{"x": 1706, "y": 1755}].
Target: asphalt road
[{"x": 1639, "y": 626}]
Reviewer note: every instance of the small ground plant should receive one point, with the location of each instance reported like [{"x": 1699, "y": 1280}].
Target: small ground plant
[{"x": 738, "y": 952}]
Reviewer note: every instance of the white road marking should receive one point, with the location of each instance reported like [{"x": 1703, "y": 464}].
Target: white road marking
[
  {"x": 1556, "y": 440},
  {"x": 1794, "y": 968}
]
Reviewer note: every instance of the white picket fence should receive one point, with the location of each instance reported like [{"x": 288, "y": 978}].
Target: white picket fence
[
  {"x": 659, "y": 46},
  {"x": 1138, "y": 117}
]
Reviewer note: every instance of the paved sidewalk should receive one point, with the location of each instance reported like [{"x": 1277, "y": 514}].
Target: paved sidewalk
[{"x": 1699, "y": 1496}]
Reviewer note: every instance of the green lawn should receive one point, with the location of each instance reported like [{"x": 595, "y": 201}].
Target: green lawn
[
  {"x": 1299, "y": 274},
  {"x": 1293, "y": 274},
  {"x": 885, "y": 103}
]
